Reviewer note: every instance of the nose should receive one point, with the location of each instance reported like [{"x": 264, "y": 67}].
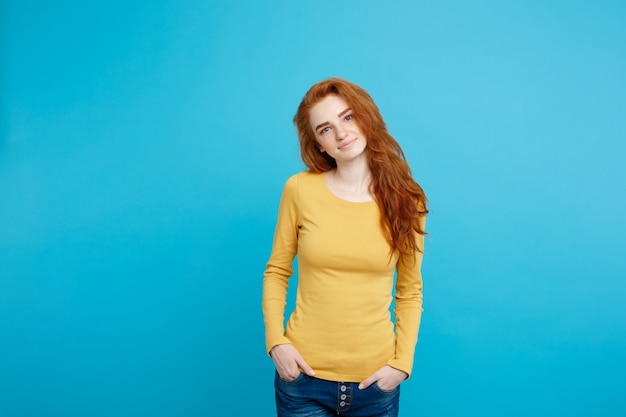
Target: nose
[{"x": 340, "y": 132}]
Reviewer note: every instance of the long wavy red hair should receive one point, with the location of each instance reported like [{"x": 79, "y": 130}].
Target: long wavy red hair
[{"x": 401, "y": 200}]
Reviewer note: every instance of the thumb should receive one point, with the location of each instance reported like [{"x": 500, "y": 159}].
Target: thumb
[
  {"x": 305, "y": 367},
  {"x": 367, "y": 382}
]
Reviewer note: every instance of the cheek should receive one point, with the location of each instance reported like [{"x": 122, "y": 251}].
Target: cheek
[{"x": 321, "y": 140}]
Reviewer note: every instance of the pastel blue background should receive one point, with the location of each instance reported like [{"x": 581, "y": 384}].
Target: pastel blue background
[{"x": 143, "y": 148}]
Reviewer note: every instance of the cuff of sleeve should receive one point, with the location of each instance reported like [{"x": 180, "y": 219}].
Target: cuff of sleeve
[
  {"x": 401, "y": 365},
  {"x": 269, "y": 344}
]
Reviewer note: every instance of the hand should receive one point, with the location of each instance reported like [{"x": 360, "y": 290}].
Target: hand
[
  {"x": 388, "y": 378},
  {"x": 288, "y": 362}
]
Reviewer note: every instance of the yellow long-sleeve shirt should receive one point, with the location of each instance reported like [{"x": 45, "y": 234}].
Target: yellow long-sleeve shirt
[{"x": 341, "y": 324}]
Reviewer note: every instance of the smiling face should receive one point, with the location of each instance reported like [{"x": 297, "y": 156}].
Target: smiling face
[{"x": 336, "y": 131}]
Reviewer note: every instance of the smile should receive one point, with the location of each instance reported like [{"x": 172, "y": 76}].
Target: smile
[{"x": 347, "y": 144}]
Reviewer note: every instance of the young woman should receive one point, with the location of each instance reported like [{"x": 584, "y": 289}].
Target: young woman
[{"x": 355, "y": 219}]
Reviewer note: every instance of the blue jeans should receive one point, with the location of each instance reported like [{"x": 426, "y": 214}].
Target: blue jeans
[{"x": 313, "y": 397}]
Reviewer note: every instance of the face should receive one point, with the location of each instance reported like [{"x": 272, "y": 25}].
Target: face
[{"x": 336, "y": 131}]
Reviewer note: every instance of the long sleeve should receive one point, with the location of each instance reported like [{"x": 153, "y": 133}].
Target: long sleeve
[
  {"x": 408, "y": 307},
  {"x": 279, "y": 267},
  {"x": 341, "y": 323}
]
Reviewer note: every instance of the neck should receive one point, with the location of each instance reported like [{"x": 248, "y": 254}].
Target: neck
[{"x": 354, "y": 176}]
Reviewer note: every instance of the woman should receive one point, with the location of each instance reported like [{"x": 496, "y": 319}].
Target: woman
[{"x": 354, "y": 219}]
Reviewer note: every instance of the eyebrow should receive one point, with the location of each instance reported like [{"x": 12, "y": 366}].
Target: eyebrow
[{"x": 339, "y": 115}]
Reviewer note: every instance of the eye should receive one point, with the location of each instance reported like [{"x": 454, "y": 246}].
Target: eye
[
  {"x": 324, "y": 130},
  {"x": 348, "y": 118}
]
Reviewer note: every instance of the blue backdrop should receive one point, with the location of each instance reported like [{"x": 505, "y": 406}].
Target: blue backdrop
[{"x": 143, "y": 148}]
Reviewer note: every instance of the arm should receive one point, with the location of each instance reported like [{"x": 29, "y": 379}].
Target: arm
[
  {"x": 408, "y": 312},
  {"x": 279, "y": 267},
  {"x": 286, "y": 357},
  {"x": 408, "y": 307}
]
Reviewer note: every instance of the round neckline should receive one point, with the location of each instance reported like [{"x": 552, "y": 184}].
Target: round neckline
[{"x": 329, "y": 191}]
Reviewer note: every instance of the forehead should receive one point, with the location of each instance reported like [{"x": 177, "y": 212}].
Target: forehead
[{"x": 327, "y": 109}]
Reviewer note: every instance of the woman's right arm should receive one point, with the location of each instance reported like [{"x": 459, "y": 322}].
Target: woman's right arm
[{"x": 279, "y": 267}]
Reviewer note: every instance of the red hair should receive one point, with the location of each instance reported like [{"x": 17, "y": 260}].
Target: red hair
[{"x": 401, "y": 200}]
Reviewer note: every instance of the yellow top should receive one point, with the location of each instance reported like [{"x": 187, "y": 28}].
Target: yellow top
[{"x": 341, "y": 324}]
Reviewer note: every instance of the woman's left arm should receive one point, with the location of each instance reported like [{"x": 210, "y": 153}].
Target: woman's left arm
[
  {"x": 408, "y": 312},
  {"x": 408, "y": 306}
]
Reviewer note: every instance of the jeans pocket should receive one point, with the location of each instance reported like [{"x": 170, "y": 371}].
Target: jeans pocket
[
  {"x": 383, "y": 391},
  {"x": 293, "y": 381}
]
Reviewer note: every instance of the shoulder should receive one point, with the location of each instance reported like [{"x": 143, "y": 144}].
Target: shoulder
[{"x": 302, "y": 179}]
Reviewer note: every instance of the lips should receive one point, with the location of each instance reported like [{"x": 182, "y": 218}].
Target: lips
[{"x": 347, "y": 144}]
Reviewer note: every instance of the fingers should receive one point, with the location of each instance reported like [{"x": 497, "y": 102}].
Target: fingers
[
  {"x": 288, "y": 362},
  {"x": 368, "y": 381},
  {"x": 305, "y": 366},
  {"x": 387, "y": 377}
]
